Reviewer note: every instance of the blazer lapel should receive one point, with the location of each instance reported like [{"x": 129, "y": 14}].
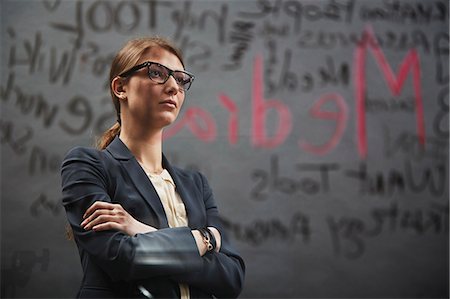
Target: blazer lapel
[{"x": 139, "y": 178}]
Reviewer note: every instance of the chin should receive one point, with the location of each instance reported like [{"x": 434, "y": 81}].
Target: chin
[{"x": 166, "y": 121}]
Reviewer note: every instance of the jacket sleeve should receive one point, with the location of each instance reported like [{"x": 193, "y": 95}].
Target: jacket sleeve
[
  {"x": 222, "y": 273},
  {"x": 161, "y": 253}
]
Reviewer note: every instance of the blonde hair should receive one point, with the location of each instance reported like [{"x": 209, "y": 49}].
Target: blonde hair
[{"x": 126, "y": 58}]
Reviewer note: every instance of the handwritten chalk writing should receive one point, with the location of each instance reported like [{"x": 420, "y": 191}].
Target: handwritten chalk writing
[
  {"x": 41, "y": 162},
  {"x": 22, "y": 267},
  {"x": 16, "y": 138},
  {"x": 260, "y": 107},
  {"x": 51, "y": 5},
  {"x": 407, "y": 143},
  {"x": 78, "y": 108},
  {"x": 316, "y": 178},
  {"x": 350, "y": 234},
  {"x": 298, "y": 11},
  {"x": 287, "y": 78},
  {"x": 441, "y": 44},
  {"x": 60, "y": 64},
  {"x": 270, "y": 181},
  {"x": 340, "y": 117},
  {"x": 77, "y": 28},
  {"x": 388, "y": 40},
  {"x": 64, "y": 67},
  {"x": 442, "y": 72},
  {"x": 32, "y": 55},
  {"x": 103, "y": 16},
  {"x": 395, "y": 83},
  {"x": 19, "y": 139},
  {"x": 240, "y": 36},
  {"x": 260, "y": 231},
  {"x": 390, "y": 105},
  {"x": 432, "y": 179},
  {"x": 309, "y": 39},
  {"x": 110, "y": 16},
  {"x": 197, "y": 54},
  {"x": 406, "y": 12},
  {"x": 42, "y": 203},
  {"x": 272, "y": 30},
  {"x": 326, "y": 75},
  {"x": 186, "y": 19},
  {"x": 28, "y": 103},
  {"x": 81, "y": 116},
  {"x": 440, "y": 121}
]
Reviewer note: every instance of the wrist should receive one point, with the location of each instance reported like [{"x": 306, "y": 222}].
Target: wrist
[
  {"x": 199, "y": 242},
  {"x": 206, "y": 238},
  {"x": 217, "y": 237}
]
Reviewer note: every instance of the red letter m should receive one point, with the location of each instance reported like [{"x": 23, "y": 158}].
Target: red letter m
[{"x": 395, "y": 83}]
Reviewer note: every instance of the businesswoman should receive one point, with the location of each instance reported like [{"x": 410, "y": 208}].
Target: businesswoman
[{"x": 143, "y": 227}]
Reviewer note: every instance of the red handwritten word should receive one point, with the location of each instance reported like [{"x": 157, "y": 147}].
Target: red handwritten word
[
  {"x": 203, "y": 126},
  {"x": 395, "y": 83},
  {"x": 260, "y": 107}
]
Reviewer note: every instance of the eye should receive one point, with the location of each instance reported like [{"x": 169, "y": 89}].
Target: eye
[
  {"x": 182, "y": 78},
  {"x": 157, "y": 72}
]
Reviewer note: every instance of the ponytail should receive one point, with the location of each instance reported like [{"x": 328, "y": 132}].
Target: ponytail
[{"x": 108, "y": 136}]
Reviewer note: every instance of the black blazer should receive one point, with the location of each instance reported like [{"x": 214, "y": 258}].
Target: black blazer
[{"x": 115, "y": 264}]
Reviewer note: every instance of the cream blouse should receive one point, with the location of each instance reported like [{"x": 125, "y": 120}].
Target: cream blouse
[{"x": 173, "y": 206}]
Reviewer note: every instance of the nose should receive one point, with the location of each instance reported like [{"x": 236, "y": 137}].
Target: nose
[{"x": 171, "y": 85}]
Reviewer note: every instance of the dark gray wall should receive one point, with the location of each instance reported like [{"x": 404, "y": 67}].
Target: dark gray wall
[{"x": 321, "y": 125}]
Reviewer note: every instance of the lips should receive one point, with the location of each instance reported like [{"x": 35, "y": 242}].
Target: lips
[{"x": 169, "y": 102}]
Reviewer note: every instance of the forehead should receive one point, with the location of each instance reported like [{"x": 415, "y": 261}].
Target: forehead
[{"x": 162, "y": 56}]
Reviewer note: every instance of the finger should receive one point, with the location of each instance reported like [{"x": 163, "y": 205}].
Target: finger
[
  {"x": 98, "y": 205},
  {"x": 96, "y": 214},
  {"x": 102, "y": 219},
  {"x": 106, "y": 226}
]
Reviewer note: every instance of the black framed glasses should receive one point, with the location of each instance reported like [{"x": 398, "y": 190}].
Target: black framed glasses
[{"x": 160, "y": 74}]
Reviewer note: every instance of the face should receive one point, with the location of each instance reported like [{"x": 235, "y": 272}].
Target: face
[{"x": 149, "y": 104}]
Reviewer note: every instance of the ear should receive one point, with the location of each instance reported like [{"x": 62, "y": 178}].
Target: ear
[{"x": 118, "y": 87}]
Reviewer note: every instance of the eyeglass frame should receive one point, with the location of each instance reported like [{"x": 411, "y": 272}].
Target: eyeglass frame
[{"x": 136, "y": 68}]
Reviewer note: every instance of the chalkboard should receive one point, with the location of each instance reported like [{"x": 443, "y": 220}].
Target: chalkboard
[{"x": 322, "y": 127}]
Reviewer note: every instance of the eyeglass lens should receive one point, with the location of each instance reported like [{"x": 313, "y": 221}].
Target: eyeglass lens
[{"x": 160, "y": 74}]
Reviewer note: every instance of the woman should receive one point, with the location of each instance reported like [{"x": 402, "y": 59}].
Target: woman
[{"x": 142, "y": 226}]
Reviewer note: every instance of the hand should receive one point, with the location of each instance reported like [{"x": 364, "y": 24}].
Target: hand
[{"x": 106, "y": 216}]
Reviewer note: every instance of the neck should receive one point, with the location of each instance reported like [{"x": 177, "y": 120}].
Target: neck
[{"x": 147, "y": 149}]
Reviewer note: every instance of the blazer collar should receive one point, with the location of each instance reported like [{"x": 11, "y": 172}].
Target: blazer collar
[{"x": 119, "y": 150}]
